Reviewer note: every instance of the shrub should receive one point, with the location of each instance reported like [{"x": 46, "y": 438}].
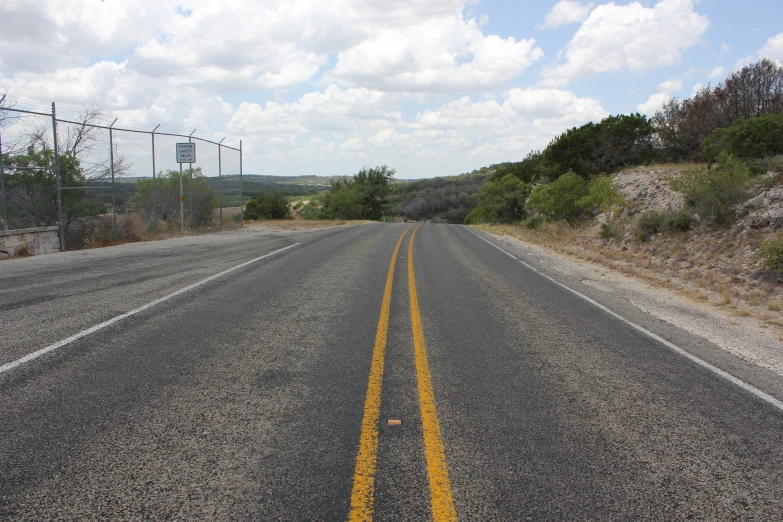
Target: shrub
[
  {"x": 533, "y": 222},
  {"x": 310, "y": 211},
  {"x": 166, "y": 198},
  {"x": 771, "y": 253},
  {"x": 747, "y": 139},
  {"x": 607, "y": 231},
  {"x": 602, "y": 195},
  {"x": 711, "y": 192},
  {"x": 500, "y": 201},
  {"x": 267, "y": 206},
  {"x": 772, "y": 164},
  {"x": 681, "y": 222},
  {"x": 653, "y": 223},
  {"x": 361, "y": 197},
  {"x": 25, "y": 251},
  {"x": 649, "y": 224},
  {"x": 560, "y": 199},
  {"x": 477, "y": 215}
]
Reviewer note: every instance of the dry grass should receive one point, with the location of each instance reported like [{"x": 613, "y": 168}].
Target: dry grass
[
  {"x": 132, "y": 229},
  {"x": 725, "y": 295},
  {"x": 25, "y": 251},
  {"x": 671, "y": 168},
  {"x": 707, "y": 266}
]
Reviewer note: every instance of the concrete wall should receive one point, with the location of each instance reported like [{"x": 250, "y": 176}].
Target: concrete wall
[{"x": 43, "y": 240}]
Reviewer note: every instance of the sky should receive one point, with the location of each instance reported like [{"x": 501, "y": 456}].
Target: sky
[{"x": 428, "y": 87}]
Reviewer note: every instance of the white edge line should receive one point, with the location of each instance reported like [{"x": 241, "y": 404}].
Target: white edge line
[
  {"x": 734, "y": 380},
  {"x": 29, "y": 357}
]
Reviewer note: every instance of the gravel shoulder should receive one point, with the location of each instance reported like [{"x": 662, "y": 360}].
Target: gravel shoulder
[{"x": 743, "y": 337}]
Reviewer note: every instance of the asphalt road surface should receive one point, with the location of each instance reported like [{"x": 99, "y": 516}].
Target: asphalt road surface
[{"x": 385, "y": 371}]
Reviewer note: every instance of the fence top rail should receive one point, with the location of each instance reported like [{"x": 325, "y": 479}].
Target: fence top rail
[
  {"x": 108, "y": 127},
  {"x": 26, "y": 112},
  {"x": 86, "y": 188}
]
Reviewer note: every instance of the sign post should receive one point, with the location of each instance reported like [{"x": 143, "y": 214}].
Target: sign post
[{"x": 186, "y": 153}]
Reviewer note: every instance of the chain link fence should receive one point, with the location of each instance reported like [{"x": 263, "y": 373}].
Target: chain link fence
[{"x": 102, "y": 181}]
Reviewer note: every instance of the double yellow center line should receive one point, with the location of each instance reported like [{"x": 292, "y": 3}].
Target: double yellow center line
[{"x": 362, "y": 495}]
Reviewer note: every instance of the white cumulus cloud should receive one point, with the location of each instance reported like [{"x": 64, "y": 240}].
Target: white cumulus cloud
[
  {"x": 333, "y": 110},
  {"x": 670, "y": 86},
  {"x": 565, "y": 12},
  {"x": 653, "y": 103},
  {"x": 618, "y": 37},
  {"x": 773, "y": 49},
  {"x": 354, "y": 124},
  {"x": 446, "y": 53}
]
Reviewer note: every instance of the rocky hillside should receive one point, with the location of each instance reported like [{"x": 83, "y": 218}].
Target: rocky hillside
[
  {"x": 648, "y": 189},
  {"x": 709, "y": 262}
]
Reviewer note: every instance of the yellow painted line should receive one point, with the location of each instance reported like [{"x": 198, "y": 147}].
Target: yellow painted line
[
  {"x": 440, "y": 486},
  {"x": 362, "y": 495}
]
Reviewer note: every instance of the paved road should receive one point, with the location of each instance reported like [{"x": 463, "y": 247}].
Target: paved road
[{"x": 266, "y": 393}]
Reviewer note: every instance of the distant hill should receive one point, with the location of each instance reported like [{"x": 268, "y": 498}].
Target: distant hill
[
  {"x": 255, "y": 184},
  {"x": 264, "y": 178},
  {"x": 445, "y": 199}
]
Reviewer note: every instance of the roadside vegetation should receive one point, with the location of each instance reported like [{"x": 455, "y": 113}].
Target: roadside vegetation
[
  {"x": 443, "y": 200},
  {"x": 364, "y": 196},
  {"x": 691, "y": 198}
]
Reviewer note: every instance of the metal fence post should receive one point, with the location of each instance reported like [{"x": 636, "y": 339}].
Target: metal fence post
[
  {"x": 220, "y": 180},
  {"x": 3, "y": 200},
  {"x": 241, "y": 192},
  {"x": 154, "y": 188},
  {"x": 113, "y": 191},
  {"x": 2, "y": 184},
  {"x": 57, "y": 177},
  {"x": 190, "y": 168},
  {"x": 181, "y": 202}
]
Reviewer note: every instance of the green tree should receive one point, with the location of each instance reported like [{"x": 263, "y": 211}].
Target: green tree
[
  {"x": 560, "y": 199},
  {"x": 570, "y": 150},
  {"x": 602, "y": 195},
  {"x": 374, "y": 187},
  {"x": 501, "y": 201},
  {"x": 623, "y": 140},
  {"x": 31, "y": 189},
  {"x": 614, "y": 143},
  {"x": 533, "y": 168},
  {"x": 343, "y": 201},
  {"x": 682, "y": 126},
  {"x": 167, "y": 196},
  {"x": 747, "y": 138},
  {"x": 267, "y": 206},
  {"x": 711, "y": 192},
  {"x": 361, "y": 197}
]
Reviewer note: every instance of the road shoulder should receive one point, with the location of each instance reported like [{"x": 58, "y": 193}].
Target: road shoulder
[{"x": 740, "y": 346}]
